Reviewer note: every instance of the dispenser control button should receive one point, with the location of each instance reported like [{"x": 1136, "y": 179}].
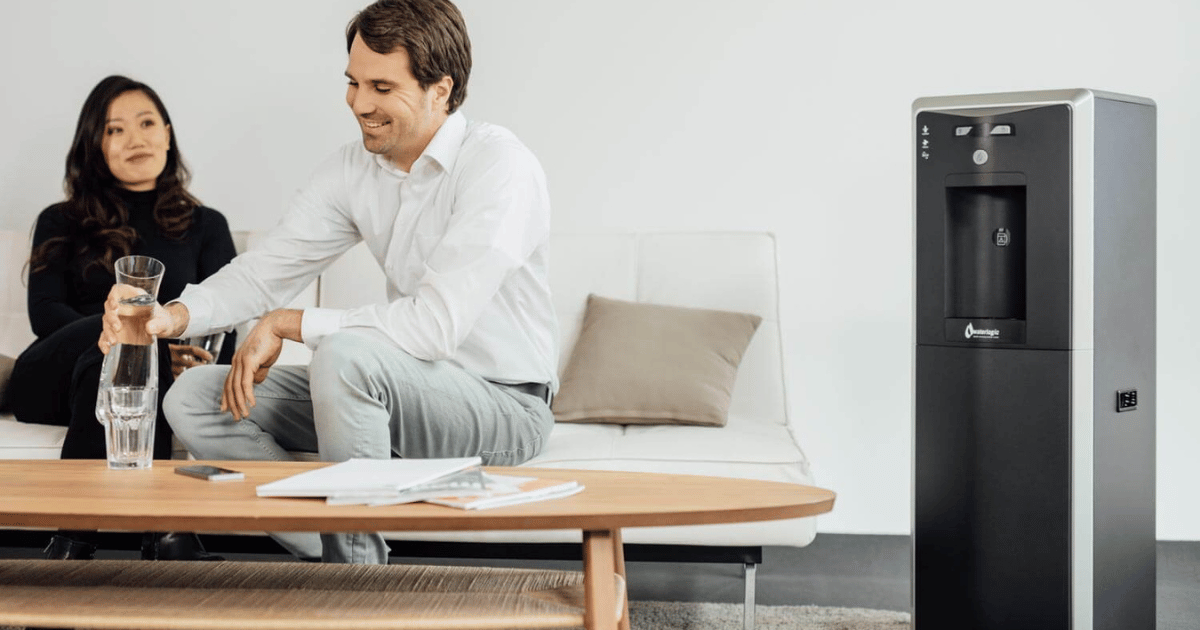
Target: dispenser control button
[
  {"x": 980, "y": 157},
  {"x": 962, "y": 131},
  {"x": 1001, "y": 130},
  {"x": 1002, "y": 237}
]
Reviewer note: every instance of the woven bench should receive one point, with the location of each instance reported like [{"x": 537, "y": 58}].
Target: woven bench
[{"x": 134, "y": 594}]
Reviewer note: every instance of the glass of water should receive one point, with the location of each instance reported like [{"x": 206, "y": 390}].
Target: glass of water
[
  {"x": 208, "y": 343},
  {"x": 127, "y": 403},
  {"x": 193, "y": 351}
]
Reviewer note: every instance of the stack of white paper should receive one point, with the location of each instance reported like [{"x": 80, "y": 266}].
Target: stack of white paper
[
  {"x": 505, "y": 490},
  {"x": 365, "y": 477},
  {"x": 458, "y": 482}
]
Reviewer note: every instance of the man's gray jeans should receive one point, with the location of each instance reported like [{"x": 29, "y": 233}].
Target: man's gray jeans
[{"x": 360, "y": 397}]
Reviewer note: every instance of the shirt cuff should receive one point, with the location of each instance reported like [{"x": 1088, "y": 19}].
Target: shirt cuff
[
  {"x": 200, "y": 310},
  {"x": 316, "y": 323}
]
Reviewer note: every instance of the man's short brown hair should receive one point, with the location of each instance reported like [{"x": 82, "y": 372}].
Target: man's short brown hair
[{"x": 431, "y": 31}]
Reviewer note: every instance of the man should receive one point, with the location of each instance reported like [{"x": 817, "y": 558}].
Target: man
[{"x": 461, "y": 360}]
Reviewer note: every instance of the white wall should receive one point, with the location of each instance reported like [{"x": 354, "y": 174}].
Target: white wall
[{"x": 776, "y": 115}]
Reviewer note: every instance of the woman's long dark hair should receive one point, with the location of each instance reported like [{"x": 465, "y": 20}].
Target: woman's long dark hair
[{"x": 100, "y": 221}]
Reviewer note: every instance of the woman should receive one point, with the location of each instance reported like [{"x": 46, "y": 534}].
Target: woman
[{"x": 126, "y": 188}]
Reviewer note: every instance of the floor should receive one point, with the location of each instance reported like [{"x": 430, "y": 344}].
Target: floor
[
  {"x": 836, "y": 570},
  {"x": 873, "y": 572}
]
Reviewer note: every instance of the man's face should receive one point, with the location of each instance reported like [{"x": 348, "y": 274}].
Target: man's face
[{"x": 397, "y": 117}]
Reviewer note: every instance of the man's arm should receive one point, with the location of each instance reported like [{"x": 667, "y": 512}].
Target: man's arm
[{"x": 313, "y": 232}]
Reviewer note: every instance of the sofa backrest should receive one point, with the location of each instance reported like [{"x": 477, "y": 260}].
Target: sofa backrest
[
  {"x": 15, "y": 333},
  {"x": 732, "y": 271}
]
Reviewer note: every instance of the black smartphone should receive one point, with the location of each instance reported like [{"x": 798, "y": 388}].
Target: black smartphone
[{"x": 211, "y": 473}]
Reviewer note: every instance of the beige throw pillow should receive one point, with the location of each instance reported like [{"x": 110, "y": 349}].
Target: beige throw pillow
[{"x": 639, "y": 363}]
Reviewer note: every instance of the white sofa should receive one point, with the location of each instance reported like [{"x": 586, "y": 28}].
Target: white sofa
[{"x": 726, "y": 271}]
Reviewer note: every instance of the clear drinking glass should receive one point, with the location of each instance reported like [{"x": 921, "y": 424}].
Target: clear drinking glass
[
  {"x": 127, "y": 403},
  {"x": 191, "y": 346}
]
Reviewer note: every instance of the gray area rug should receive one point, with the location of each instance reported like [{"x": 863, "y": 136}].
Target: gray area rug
[
  {"x": 701, "y": 616},
  {"x": 694, "y": 616}
]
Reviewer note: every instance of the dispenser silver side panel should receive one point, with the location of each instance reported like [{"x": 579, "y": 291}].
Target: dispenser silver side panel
[{"x": 1124, "y": 321}]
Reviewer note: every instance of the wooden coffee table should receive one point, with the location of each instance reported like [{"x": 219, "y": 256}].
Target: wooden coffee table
[{"x": 185, "y": 595}]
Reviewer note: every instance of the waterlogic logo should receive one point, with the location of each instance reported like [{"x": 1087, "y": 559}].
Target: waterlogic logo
[{"x": 972, "y": 332}]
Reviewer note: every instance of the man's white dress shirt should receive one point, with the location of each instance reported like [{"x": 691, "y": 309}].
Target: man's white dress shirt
[{"x": 462, "y": 239}]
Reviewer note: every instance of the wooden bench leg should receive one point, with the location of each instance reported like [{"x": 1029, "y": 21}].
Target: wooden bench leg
[
  {"x": 623, "y": 595},
  {"x": 603, "y": 570}
]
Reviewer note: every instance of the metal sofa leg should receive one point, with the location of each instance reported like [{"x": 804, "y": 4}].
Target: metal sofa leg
[{"x": 748, "y": 605}]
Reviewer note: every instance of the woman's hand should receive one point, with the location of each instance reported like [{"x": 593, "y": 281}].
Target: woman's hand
[{"x": 184, "y": 357}]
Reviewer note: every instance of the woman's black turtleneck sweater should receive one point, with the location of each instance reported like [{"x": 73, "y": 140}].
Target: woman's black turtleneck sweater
[{"x": 63, "y": 292}]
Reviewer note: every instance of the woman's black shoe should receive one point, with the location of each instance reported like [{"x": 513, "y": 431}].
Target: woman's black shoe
[
  {"x": 174, "y": 546},
  {"x": 67, "y": 548}
]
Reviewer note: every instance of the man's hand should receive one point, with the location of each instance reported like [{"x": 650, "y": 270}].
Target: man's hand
[
  {"x": 168, "y": 321},
  {"x": 254, "y": 358}
]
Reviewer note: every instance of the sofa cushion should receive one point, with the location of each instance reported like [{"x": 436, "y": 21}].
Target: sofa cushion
[
  {"x": 19, "y": 440},
  {"x": 673, "y": 449},
  {"x": 637, "y": 363}
]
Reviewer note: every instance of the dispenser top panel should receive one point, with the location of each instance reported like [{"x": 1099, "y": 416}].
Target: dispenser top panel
[{"x": 1012, "y": 101}]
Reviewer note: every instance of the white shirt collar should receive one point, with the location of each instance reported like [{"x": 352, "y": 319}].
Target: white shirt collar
[{"x": 443, "y": 148}]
